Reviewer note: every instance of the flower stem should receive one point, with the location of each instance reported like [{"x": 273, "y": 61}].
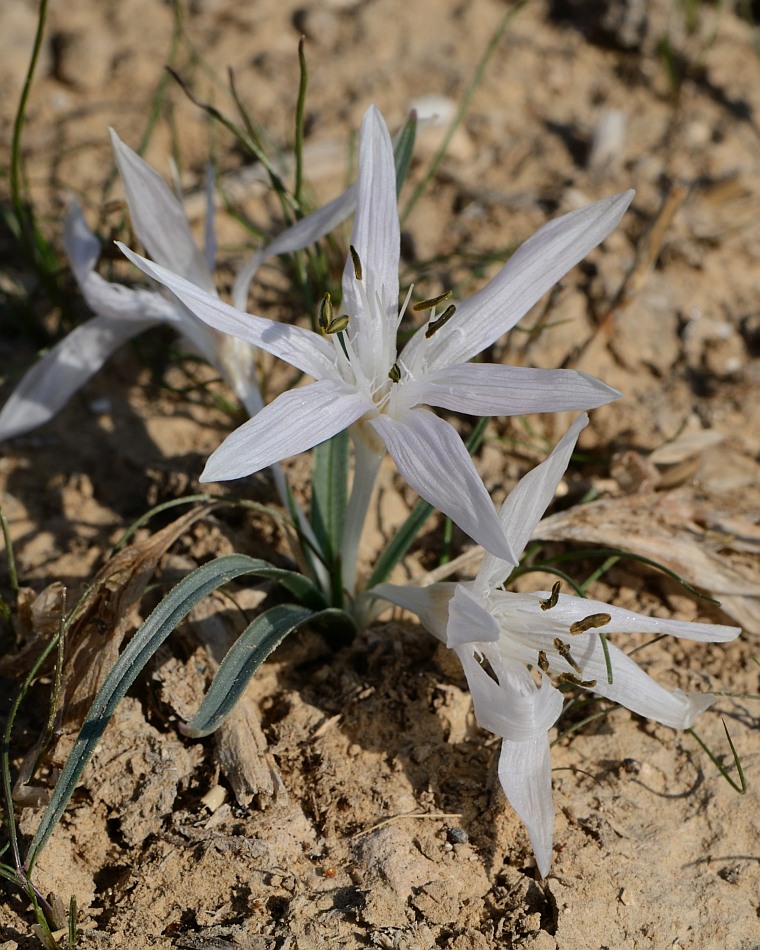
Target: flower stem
[{"x": 366, "y": 466}]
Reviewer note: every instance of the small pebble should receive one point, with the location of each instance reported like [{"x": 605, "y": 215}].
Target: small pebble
[{"x": 457, "y": 836}]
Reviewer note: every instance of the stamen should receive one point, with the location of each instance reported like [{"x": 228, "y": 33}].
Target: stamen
[
  {"x": 394, "y": 373},
  {"x": 356, "y": 261},
  {"x": 589, "y": 623},
  {"x": 327, "y": 323},
  {"x": 569, "y": 678},
  {"x": 543, "y": 663},
  {"x": 551, "y": 600},
  {"x": 435, "y": 325},
  {"x": 433, "y": 302},
  {"x": 564, "y": 651}
]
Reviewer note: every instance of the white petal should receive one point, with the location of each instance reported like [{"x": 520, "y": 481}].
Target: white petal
[
  {"x": 470, "y": 620},
  {"x": 297, "y": 236},
  {"x": 158, "y": 218},
  {"x": 296, "y": 421},
  {"x": 301, "y": 348},
  {"x": 488, "y": 389},
  {"x": 376, "y": 237},
  {"x": 432, "y": 458},
  {"x": 526, "y": 777},
  {"x": 538, "y": 264},
  {"x": 430, "y": 604},
  {"x": 514, "y": 708},
  {"x": 82, "y": 247},
  {"x": 51, "y": 382},
  {"x": 527, "y": 502},
  {"x": 635, "y": 689}
]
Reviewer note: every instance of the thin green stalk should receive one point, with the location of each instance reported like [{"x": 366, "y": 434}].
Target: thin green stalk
[
  {"x": 300, "y": 110},
  {"x": 742, "y": 788},
  {"x": 12, "y": 575}
]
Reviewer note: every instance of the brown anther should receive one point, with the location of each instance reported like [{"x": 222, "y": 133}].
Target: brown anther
[
  {"x": 551, "y": 600},
  {"x": 543, "y": 663},
  {"x": 433, "y": 302},
  {"x": 394, "y": 373},
  {"x": 570, "y": 678},
  {"x": 590, "y": 623},
  {"x": 435, "y": 325},
  {"x": 564, "y": 651},
  {"x": 356, "y": 262}
]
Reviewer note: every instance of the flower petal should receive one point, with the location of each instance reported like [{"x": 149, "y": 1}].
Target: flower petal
[
  {"x": 158, "y": 218},
  {"x": 51, "y": 382},
  {"x": 488, "y": 389},
  {"x": 535, "y": 267},
  {"x": 297, "y": 236},
  {"x": 527, "y": 502},
  {"x": 432, "y": 458},
  {"x": 470, "y": 620},
  {"x": 514, "y": 708},
  {"x": 376, "y": 238},
  {"x": 304, "y": 349},
  {"x": 430, "y": 604},
  {"x": 296, "y": 421},
  {"x": 525, "y": 774}
]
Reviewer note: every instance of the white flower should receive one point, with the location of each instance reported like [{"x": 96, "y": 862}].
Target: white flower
[
  {"x": 159, "y": 222},
  {"x": 363, "y": 383},
  {"x": 546, "y": 633}
]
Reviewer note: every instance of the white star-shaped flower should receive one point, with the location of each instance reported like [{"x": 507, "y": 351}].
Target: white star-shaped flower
[
  {"x": 527, "y": 637},
  {"x": 362, "y": 383}
]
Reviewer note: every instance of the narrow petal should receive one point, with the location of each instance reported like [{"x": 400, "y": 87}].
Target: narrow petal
[
  {"x": 82, "y": 247},
  {"x": 430, "y": 604},
  {"x": 301, "y": 348},
  {"x": 527, "y": 502},
  {"x": 432, "y": 458},
  {"x": 51, "y": 382},
  {"x": 376, "y": 238},
  {"x": 295, "y": 238},
  {"x": 535, "y": 267},
  {"x": 488, "y": 389},
  {"x": 296, "y": 421},
  {"x": 526, "y": 776},
  {"x": 158, "y": 218},
  {"x": 514, "y": 708},
  {"x": 469, "y": 621}
]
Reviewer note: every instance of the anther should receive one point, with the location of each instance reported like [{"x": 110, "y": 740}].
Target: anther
[
  {"x": 328, "y": 323},
  {"x": 590, "y": 623},
  {"x": 569, "y": 678},
  {"x": 543, "y": 663},
  {"x": 435, "y": 325},
  {"x": 551, "y": 600},
  {"x": 433, "y": 302},
  {"x": 394, "y": 373},
  {"x": 357, "y": 262},
  {"x": 564, "y": 651}
]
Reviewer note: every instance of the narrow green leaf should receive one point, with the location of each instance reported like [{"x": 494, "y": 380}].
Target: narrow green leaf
[
  {"x": 402, "y": 152},
  {"x": 244, "y": 657},
  {"x": 329, "y": 497},
  {"x": 163, "y": 620}
]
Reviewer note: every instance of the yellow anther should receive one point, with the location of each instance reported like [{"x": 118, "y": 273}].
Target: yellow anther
[{"x": 325, "y": 313}]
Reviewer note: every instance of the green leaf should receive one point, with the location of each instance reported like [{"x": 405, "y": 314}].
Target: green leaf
[
  {"x": 244, "y": 657},
  {"x": 402, "y": 152},
  {"x": 163, "y": 620}
]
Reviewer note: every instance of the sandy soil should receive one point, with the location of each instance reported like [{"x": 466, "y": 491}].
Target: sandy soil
[{"x": 355, "y": 803}]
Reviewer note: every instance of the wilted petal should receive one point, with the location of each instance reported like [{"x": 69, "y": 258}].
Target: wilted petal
[
  {"x": 301, "y": 348},
  {"x": 51, "y": 382},
  {"x": 432, "y": 458},
  {"x": 158, "y": 218},
  {"x": 295, "y": 238},
  {"x": 527, "y": 502},
  {"x": 489, "y": 389},
  {"x": 376, "y": 237},
  {"x": 430, "y": 604},
  {"x": 296, "y": 421},
  {"x": 526, "y": 777},
  {"x": 535, "y": 267}
]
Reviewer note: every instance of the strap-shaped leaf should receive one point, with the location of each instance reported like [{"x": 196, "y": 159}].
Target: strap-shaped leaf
[
  {"x": 330, "y": 497},
  {"x": 243, "y": 658},
  {"x": 402, "y": 150},
  {"x": 165, "y": 618}
]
